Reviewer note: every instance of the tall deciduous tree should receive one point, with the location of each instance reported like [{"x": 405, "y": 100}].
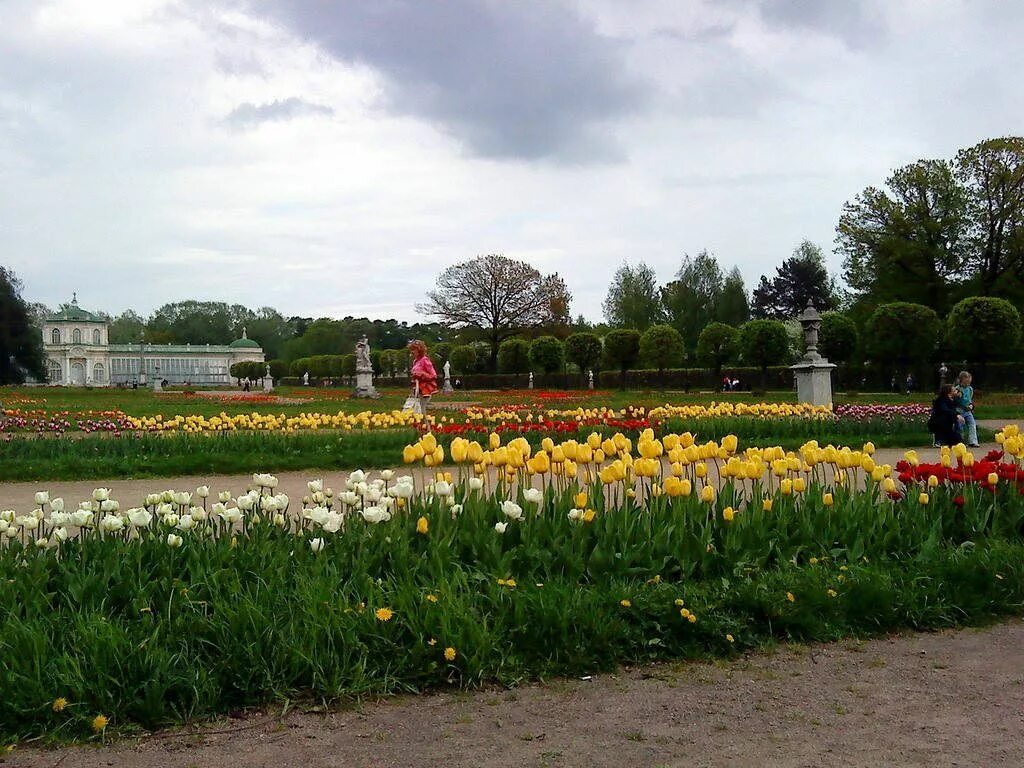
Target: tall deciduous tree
[
  {"x": 21, "y": 340},
  {"x": 838, "y": 337},
  {"x": 733, "y": 306},
  {"x": 128, "y": 328},
  {"x": 799, "y": 279},
  {"x": 763, "y": 343},
  {"x": 992, "y": 174},
  {"x": 621, "y": 350},
  {"x": 497, "y": 296},
  {"x": 716, "y": 346},
  {"x": 632, "y": 300},
  {"x": 691, "y": 300},
  {"x": 983, "y": 328}
]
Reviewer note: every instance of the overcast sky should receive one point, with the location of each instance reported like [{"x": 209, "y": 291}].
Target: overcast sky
[{"x": 330, "y": 158}]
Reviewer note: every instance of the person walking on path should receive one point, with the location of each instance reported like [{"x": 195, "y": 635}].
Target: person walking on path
[
  {"x": 424, "y": 375},
  {"x": 944, "y": 422},
  {"x": 965, "y": 407}
]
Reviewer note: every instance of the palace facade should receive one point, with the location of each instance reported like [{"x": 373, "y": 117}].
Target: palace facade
[{"x": 78, "y": 353}]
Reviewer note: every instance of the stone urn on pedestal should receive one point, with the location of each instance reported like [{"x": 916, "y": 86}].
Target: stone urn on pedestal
[{"x": 813, "y": 372}]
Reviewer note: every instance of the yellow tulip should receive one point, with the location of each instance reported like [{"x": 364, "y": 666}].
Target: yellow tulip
[
  {"x": 707, "y": 494},
  {"x": 827, "y": 500}
]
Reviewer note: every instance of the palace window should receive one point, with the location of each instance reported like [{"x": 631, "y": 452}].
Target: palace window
[
  {"x": 96, "y": 337},
  {"x": 55, "y": 336},
  {"x": 76, "y": 336},
  {"x": 97, "y": 374}
]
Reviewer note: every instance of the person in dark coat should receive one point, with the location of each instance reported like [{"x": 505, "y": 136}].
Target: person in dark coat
[{"x": 944, "y": 422}]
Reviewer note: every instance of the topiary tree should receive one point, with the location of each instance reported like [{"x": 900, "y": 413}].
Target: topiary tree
[
  {"x": 837, "y": 339},
  {"x": 903, "y": 332},
  {"x": 547, "y": 354},
  {"x": 763, "y": 343},
  {"x": 583, "y": 350},
  {"x": 463, "y": 359},
  {"x": 621, "y": 349},
  {"x": 661, "y": 346},
  {"x": 348, "y": 365},
  {"x": 716, "y": 346},
  {"x": 514, "y": 355},
  {"x": 983, "y": 328}
]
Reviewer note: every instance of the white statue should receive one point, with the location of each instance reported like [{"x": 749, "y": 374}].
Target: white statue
[
  {"x": 268, "y": 371},
  {"x": 305, "y": 379},
  {"x": 531, "y": 379},
  {"x": 447, "y": 377},
  {"x": 364, "y": 370},
  {"x": 363, "y": 355},
  {"x": 590, "y": 379}
]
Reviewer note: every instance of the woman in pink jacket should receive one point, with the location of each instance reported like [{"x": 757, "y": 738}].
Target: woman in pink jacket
[{"x": 423, "y": 373}]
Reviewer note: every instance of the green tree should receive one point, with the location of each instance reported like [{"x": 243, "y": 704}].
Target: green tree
[
  {"x": 632, "y": 300},
  {"x": 547, "y": 354},
  {"x": 463, "y": 359},
  {"x": 992, "y": 175},
  {"x": 193, "y": 322},
  {"x": 440, "y": 352},
  {"x": 514, "y": 356},
  {"x": 691, "y": 300},
  {"x": 716, "y": 346},
  {"x": 763, "y": 343},
  {"x": 902, "y": 332},
  {"x": 278, "y": 369},
  {"x": 837, "y": 339},
  {"x": 21, "y": 340},
  {"x": 983, "y": 328},
  {"x": 348, "y": 365},
  {"x": 583, "y": 350},
  {"x": 662, "y": 347},
  {"x": 799, "y": 279},
  {"x": 497, "y": 297},
  {"x": 907, "y": 242},
  {"x": 733, "y": 306},
  {"x": 127, "y": 328},
  {"x": 621, "y": 350}
]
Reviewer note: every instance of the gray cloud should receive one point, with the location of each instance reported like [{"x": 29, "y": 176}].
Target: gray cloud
[
  {"x": 508, "y": 79},
  {"x": 853, "y": 21},
  {"x": 249, "y": 115}
]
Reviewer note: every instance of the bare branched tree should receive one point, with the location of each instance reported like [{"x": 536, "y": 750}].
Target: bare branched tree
[{"x": 499, "y": 296}]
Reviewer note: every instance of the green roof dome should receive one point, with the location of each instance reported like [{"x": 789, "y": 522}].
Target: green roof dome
[
  {"x": 244, "y": 343},
  {"x": 73, "y": 313}
]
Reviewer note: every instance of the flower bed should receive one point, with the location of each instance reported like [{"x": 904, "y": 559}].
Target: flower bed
[
  {"x": 518, "y": 563},
  {"x": 885, "y": 412}
]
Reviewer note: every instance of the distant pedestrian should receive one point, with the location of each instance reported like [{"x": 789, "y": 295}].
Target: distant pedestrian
[
  {"x": 965, "y": 407},
  {"x": 909, "y": 383}
]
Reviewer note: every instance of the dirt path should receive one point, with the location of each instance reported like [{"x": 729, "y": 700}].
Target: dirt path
[
  {"x": 19, "y": 496},
  {"x": 947, "y": 699}
]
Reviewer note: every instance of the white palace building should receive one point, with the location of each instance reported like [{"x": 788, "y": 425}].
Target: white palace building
[{"x": 78, "y": 354}]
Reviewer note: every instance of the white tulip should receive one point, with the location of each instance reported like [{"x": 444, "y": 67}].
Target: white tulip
[
  {"x": 316, "y": 544},
  {"x": 476, "y": 483},
  {"x": 174, "y": 541},
  {"x": 171, "y": 520},
  {"x": 109, "y": 505},
  {"x": 152, "y": 499},
  {"x": 42, "y": 543},
  {"x": 315, "y": 486},
  {"x": 373, "y": 495},
  {"x": 328, "y": 493},
  {"x": 442, "y": 488},
  {"x": 7, "y": 515},
  {"x": 164, "y": 510},
  {"x": 42, "y": 497},
  {"x": 270, "y": 504},
  {"x": 57, "y": 505},
  {"x": 218, "y": 509},
  {"x": 224, "y": 497},
  {"x": 182, "y": 498},
  {"x": 4, "y": 525},
  {"x": 333, "y": 522},
  {"x": 387, "y": 474},
  {"x": 203, "y": 491},
  {"x": 38, "y": 515},
  {"x": 245, "y": 503},
  {"x": 456, "y": 509},
  {"x": 500, "y": 527},
  {"x": 167, "y": 497},
  {"x": 101, "y": 494},
  {"x": 231, "y": 515},
  {"x": 317, "y": 514},
  {"x": 512, "y": 510},
  {"x": 401, "y": 490},
  {"x": 357, "y": 476},
  {"x": 60, "y": 534},
  {"x": 81, "y": 518},
  {"x": 319, "y": 497},
  {"x": 11, "y": 532},
  {"x": 279, "y": 520},
  {"x": 574, "y": 514},
  {"x": 199, "y": 514},
  {"x": 387, "y": 502},
  {"x": 282, "y": 501},
  {"x": 376, "y": 515},
  {"x": 86, "y": 505},
  {"x": 533, "y": 495},
  {"x": 139, "y": 517},
  {"x": 111, "y": 523}
]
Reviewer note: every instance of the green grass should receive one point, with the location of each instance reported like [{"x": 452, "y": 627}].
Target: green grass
[{"x": 149, "y": 635}]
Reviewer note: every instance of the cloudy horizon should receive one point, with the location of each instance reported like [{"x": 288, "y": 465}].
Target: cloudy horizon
[{"x": 333, "y": 158}]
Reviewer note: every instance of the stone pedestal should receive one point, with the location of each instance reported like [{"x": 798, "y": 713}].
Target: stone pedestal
[
  {"x": 158, "y": 385},
  {"x": 814, "y": 381},
  {"x": 364, "y": 383},
  {"x": 268, "y": 384}
]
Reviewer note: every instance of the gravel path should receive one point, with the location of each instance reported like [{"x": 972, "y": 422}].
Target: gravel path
[{"x": 946, "y": 699}]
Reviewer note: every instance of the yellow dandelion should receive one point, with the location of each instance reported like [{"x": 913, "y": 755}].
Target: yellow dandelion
[
  {"x": 432, "y": 598},
  {"x": 679, "y": 602},
  {"x": 60, "y": 704},
  {"x": 449, "y": 654},
  {"x": 625, "y": 603},
  {"x": 789, "y": 596},
  {"x": 99, "y": 723},
  {"x": 383, "y": 614},
  {"x": 832, "y": 593},
  {"x": 730, "y": 638},
  {"x": 431, "y": 642}
]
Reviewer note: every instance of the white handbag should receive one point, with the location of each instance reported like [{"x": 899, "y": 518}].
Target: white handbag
[{"x": 414, "y": 403}]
